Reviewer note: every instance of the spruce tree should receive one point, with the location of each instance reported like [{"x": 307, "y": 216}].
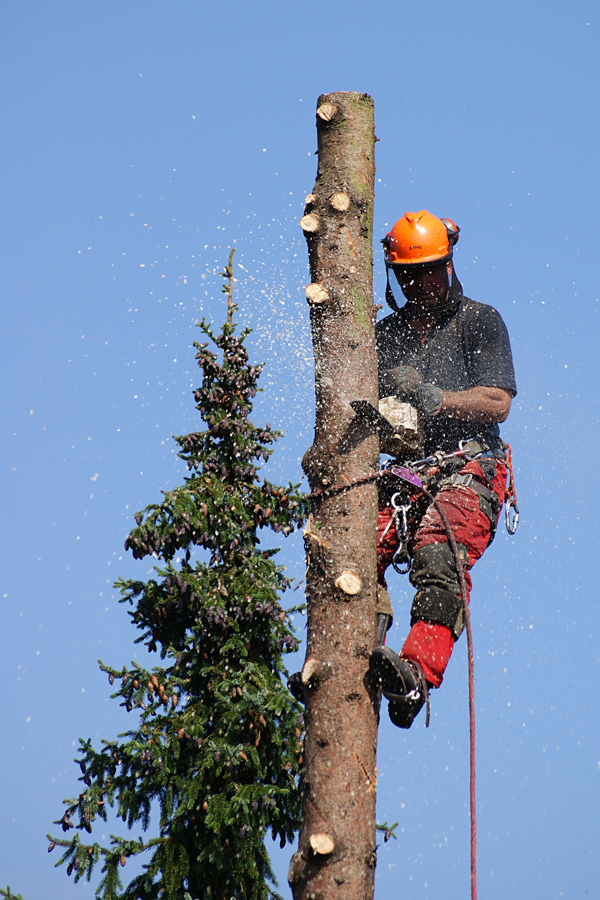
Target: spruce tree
[{"x": 212, "y": 761}]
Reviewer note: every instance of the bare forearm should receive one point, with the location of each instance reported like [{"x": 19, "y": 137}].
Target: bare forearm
[{"x": 478, "y": 404}]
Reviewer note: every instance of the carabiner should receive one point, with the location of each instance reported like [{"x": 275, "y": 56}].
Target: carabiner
[
  {"x": 401, "y": 531},
  {"x": 511, "y": 521},
  {"x": 400, "y": 509},
  {"x": 401, "y": 560},
  {"x": 387, "y": 528}
]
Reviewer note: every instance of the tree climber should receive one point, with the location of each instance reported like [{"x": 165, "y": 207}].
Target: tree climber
[{"x": 450, "y": 358}]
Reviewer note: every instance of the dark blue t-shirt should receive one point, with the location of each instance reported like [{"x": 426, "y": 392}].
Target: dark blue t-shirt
[{"x": 468, "y": 346}]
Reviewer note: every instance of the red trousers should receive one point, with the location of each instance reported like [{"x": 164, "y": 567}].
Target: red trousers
[{"x": 438, "y": 599}]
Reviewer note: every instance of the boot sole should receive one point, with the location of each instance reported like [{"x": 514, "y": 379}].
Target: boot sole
[{"x": 402, "y": 715}]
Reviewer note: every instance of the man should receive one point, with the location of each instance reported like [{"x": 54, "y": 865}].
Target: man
[{"x": 450, "y": 358}]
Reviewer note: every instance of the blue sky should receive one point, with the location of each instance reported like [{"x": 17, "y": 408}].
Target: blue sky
[{"x": 142, "y": 141}]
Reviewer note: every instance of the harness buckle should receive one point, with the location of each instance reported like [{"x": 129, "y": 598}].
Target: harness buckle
[
  {"x": 461, "y": 480},
  {"x": 470, "y": 448}
]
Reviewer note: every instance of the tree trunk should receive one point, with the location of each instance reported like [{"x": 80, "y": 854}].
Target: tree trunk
[{"x": 336, "y": 854}]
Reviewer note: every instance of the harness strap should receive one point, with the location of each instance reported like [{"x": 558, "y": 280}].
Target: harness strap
[
  {"x": 489, "y": 502},
  {"x": 469, "y": 451}
]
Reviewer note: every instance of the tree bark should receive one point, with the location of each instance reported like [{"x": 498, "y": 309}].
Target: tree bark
[{"x": 336, "y": 853}]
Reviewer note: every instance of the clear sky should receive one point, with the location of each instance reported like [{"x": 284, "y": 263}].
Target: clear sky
[{"x": 141, "y": 141}]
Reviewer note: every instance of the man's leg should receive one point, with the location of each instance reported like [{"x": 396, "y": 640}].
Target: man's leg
[{"x": 472, "y": 509}]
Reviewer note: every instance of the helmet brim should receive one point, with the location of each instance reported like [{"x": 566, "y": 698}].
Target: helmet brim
[{"x": 421, "y": 264}]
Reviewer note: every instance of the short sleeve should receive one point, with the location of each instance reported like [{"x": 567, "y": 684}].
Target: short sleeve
[{"x": 487, "y": 349}]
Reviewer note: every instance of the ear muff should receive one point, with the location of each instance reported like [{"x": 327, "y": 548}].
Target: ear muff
[{"x": 452, "y": 230}]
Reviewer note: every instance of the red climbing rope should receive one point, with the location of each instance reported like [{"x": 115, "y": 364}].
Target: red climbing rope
[{"x": 467, "y": 615}]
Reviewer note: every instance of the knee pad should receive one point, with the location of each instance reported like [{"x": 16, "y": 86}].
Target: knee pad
[
  {"x": 434, "y": 565},
  {"x": 438, "y": 606},
  {"x": 438, "y": 597}
]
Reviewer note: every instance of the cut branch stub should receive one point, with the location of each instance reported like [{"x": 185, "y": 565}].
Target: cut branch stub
[
  {"x": 321, "y": 844},
  {"x": 309, "y": 223},
  {"x": 349, "y": 582},
  {"x": 340, "y": 201},
  {"x": 326, "y": 111},
  {"x": 314, "y": 672},
  {"x": 316, "y": 294}
]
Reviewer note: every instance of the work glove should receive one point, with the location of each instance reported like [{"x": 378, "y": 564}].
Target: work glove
[{"x": 406, "y": 384}]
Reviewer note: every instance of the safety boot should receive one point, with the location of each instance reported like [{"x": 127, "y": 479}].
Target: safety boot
[
  {"x": 403, "y": 684},
  {"x": 383, "y": 623}
]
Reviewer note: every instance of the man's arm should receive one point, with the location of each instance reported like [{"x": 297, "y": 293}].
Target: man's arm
[{"x": 478, "y": 404}]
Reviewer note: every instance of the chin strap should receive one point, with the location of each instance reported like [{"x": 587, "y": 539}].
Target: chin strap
[{"x": 389, "y": 294}]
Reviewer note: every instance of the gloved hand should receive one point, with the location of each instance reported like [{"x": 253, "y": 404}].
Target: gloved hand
[{"x": 406, "y": 384}]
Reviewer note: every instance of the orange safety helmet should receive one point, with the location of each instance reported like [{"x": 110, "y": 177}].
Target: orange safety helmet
[{"x": 419, "y": 238}]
